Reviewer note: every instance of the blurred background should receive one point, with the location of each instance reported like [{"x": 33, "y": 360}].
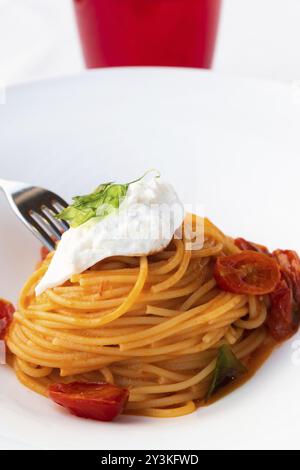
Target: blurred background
[{"x": 257, "y": 38}]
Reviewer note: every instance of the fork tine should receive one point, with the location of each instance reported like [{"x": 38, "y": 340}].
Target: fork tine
[
  {"x": 58, "y": 225},
  {"x": 46, "y": 239},
  {"x": 36, "y": 208},
  {"x": 53, "y": 231},
  {"x": 54, "y": 205},
  {"x": 56, "y": 208},
  {"x": 52, "y": 199},
  {"x": 60, "y": 201}
]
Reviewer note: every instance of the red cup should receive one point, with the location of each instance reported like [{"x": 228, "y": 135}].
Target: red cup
[{"x": 148, "y": 32}]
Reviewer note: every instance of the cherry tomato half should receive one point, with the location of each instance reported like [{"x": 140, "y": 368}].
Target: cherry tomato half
[
  {"x": 284, "y": 314},
  {"x": 99, "y": 401},
  {"x": 281, "y": 320},
  {"x": 6, "y": 315},
  {"x": 289, "y": 263},
  {"x": 247, "y": 272},
  {"x": 243, "y": 244}
]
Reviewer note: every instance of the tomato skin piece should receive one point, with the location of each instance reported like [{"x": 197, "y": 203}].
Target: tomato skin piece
[
  {"x": 98, "y": 401},
  {"x": 6, "y": 315},
  {"x": 44, "y": 253},
  {"x": 243, "y": 245},
  {"x": 284, "y": 314},
  {"x": 248, "y": 273}
]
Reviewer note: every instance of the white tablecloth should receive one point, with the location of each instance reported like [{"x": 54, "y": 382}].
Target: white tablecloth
[{"x": 259, "y": 38}]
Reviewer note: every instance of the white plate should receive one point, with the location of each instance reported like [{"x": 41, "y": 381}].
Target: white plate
[{"x": 231, "y": 144}]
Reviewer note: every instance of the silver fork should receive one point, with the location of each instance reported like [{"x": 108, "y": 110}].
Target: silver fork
[{"x": 36, "y": 208}]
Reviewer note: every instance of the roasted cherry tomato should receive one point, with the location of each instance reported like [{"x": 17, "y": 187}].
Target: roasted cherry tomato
[
  {"x": 247, "y": 272},
  {"x": 289, "y": 263},
  {"x": 284, "y": 314},
  {"x": 44, "y": 253},
  {"x": 6, "y": 315},
  {"x": 281, "y": 319},
  {"x": 243, "y": 244},
  {"x": 99, "y": 401}
]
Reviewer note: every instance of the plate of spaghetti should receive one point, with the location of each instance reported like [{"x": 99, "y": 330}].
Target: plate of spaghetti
[{"x": 167, "y": 315}]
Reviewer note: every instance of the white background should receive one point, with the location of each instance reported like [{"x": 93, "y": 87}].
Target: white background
[{"x": 258, "y": 38}]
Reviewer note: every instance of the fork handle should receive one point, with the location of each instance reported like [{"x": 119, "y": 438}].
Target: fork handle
[
  {"x": 2, "y": 183},
  {"x": 9, "y": 186}
]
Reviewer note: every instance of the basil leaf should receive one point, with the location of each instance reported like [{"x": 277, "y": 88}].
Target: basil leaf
[
  {"x": 228, "y": 368},
  {"x": 75, "y": 216},
  {"x": 106, "y": 198},
  {"x": 100, "y": 203},
  {"x": 91, "y": 200}
]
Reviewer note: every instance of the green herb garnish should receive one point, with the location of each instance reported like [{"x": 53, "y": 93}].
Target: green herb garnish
[
  {"x": 228, "y": 368},
  {"x": 105, "y": 199}
]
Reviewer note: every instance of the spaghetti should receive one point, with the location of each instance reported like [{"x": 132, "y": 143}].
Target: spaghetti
[{"x": 152, "y": 324}]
